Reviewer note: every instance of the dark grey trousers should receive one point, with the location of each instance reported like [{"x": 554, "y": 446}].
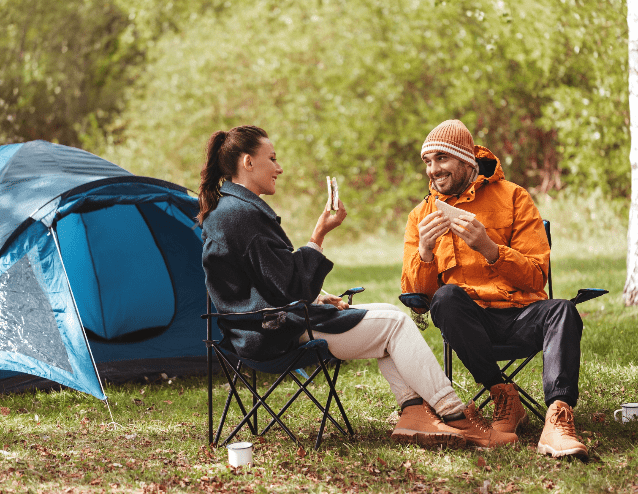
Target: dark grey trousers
[{"x": 553, "y": 326}]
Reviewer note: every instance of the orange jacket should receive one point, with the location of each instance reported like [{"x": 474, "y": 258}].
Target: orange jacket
[{"x": 511, "y": 220}]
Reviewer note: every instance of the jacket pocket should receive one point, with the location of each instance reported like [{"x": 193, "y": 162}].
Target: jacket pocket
[{"x": 498, "y": 225}]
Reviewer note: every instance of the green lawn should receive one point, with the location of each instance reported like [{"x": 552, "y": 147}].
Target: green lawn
[{"x": 62, "y": 441}]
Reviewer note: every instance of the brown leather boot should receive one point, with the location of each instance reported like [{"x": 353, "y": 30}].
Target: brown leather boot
[
  {"x": 421, "y": 425},
  {"x": 509, "y": 413},
  {"x": 477, "y": 430},
  {"x": 559, "y": 434}
]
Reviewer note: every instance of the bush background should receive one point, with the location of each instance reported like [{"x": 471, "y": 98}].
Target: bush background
[{"x": 345, "y": 88}]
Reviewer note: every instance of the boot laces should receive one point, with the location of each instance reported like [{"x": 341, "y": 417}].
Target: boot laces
[
  {"x": 502, "y": 407},
  {"x": 563, "y": 419},
  {"x": 430, "y": 411},
  {"x": 478, "y": 420}
]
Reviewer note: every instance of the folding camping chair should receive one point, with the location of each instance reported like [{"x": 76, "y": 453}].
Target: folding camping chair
[
  {"x": 508, "y": 353},
  {"x": 313, "y": 353}
]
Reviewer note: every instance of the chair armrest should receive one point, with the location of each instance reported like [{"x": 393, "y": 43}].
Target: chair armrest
[
  {"x": 351, "y": 291},
  {"x": 585, "y": 294},
  {"x": 416, "y": 301},
  {"x": 262, "y": 315},
  {"x": 257, "y": 315}
]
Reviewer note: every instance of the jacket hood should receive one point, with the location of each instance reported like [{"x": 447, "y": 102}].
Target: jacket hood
[{"x": 490, "y": 170}]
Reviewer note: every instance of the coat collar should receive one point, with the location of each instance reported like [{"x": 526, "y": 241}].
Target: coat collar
[
  {"x": 480, "y": 152},
  {"x": 229, "y": 188}
]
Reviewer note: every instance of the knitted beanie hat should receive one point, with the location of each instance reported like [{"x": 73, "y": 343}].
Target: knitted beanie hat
[{"x": 451, "y": 137}]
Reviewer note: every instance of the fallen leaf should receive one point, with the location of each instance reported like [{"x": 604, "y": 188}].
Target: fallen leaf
[
  {"x": 5, "y": 410},
  {"x": 168, "y": 401},
  {"x": 301, "y": 452},
  {"x": 599, "y": 417},
  {"x": 481, "y": 462},
  {"x": 381, "y": 461}
]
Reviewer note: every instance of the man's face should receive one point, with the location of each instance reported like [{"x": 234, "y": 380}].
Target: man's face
[{"x": 447, "y": 174}]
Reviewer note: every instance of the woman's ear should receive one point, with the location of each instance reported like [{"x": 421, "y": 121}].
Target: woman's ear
[{"x": 247, "y": 163}]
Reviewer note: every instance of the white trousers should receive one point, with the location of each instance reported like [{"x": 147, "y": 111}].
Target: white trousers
[{"x": 405, "y": 359}]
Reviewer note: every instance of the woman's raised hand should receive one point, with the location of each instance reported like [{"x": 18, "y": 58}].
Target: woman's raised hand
[{"x": 328, "y": 222}]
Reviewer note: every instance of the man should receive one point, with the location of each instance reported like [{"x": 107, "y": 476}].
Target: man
[{"x": 485, "y": 276}]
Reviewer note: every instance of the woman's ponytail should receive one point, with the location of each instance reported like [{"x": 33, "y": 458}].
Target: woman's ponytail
[
  {"x": 222, "y": 158},
  {"x": 211, "y": 176}
]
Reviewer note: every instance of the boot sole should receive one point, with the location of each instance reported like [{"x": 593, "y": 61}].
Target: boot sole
[
  {"x": 429, "y": 439},
  {"x": 545, "y": 449}
]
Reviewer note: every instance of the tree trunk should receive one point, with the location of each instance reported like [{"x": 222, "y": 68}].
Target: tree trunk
[{"x": 630, "y": 293}]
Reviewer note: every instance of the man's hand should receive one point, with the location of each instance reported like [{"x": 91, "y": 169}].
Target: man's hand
[
  {"x": 430, "y": 228},
  {"x": 333, "y": 300},
  {"x": 472, "y": 231}
]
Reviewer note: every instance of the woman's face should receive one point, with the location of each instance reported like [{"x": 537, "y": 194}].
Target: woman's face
[{"x": 265, "y": 169}]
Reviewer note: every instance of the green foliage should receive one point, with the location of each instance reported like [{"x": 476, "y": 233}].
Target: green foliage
[
  {"x": 345, "y": 88},
  {"x": 63, "y": 67},
  {"x": 589, "y": 102},
  {"x": 351, "y": 89}
]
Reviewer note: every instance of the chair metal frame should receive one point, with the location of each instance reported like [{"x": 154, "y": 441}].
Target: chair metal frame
[{"x": 314, "y": 352}]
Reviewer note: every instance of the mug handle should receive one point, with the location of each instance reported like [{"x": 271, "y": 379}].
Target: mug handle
[{"x": 616, "y": 418}]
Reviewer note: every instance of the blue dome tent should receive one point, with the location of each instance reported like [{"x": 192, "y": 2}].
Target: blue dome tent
[{"x": 100, "y": 271}]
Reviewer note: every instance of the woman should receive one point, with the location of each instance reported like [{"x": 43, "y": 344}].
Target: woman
[{"x": 250, "y": 264}]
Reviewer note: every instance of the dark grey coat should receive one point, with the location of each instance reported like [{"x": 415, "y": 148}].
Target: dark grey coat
[{"x": 250, "y": 264}]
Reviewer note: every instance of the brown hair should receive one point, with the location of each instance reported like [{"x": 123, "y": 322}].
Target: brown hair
[{"x": 222, "y": 157}]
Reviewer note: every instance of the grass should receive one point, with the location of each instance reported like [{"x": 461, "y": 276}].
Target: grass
[{"x": 63, "y": 442}]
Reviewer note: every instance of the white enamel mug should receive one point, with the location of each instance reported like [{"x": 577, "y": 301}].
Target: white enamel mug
[
  {"x": 629, "y": 412},
  {"x": 240, "y": 454}
]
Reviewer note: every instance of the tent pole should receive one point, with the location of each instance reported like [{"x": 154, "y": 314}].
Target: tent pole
[{"x": 77, "y": 312}]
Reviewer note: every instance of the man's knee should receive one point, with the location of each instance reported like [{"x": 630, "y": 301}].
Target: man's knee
[
  {"x": 447, "y": 297},
  {"x": 566, "y": 317}
]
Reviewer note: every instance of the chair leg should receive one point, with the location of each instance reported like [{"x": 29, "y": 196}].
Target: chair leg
[
  {"x": 255, "y": 401},
  {"x": 261, "y": 402},
  {"x": 331, "y": 393},
  {"x": 225, "y": 365},
  {"x": 338, "y": 401},
  {"x": 447, "y": 360},
  {"x": 302, "y": 388},
  {"x": 222, "y": 420}
]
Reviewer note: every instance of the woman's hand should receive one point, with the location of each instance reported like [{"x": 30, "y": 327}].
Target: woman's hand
[
  {"x": 333, "y": 300},
  {"x": 328, "y": 222}
]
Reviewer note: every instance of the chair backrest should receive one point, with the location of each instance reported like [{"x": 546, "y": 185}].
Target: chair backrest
[{"x": 549, "y": 270}]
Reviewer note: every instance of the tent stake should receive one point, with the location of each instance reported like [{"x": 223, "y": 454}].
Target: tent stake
[{"x": 112, "y": 422}]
